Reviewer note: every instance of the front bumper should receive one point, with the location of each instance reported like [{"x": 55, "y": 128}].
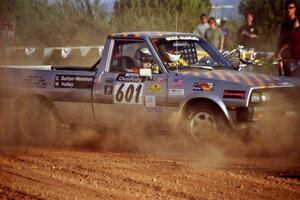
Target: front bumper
[{"x": 260, "y": 116}]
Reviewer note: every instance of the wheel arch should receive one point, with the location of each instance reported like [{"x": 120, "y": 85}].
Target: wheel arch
[
  {"x": 23, "y": 99},
  {"x": 197, "y": 100}
]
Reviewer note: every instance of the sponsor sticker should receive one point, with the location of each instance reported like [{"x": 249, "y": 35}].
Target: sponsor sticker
[
  {"x": 155, "y": 88},
  {"x": 73, "y": 81},
  {"x": 130, "y": 77},
  {"x": 234, "y": 94},
  {"x": 108, "y": 90},
  {"x": 203, "y": 86},
  {"x": 176, "y": 92},
  {"x": 150, "y": 101},
  {"x": 34, "y": 81},
  {"x": 154, "y": 110},
  {"x": 182, "y": 38},
  {"x": 158, "y": 79},
  {"x": 178, "y": 82}
]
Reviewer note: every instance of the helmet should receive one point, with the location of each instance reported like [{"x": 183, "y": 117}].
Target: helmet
[
  {"x": 170, "y": 53},
  {"x": 143, "y": 55}
]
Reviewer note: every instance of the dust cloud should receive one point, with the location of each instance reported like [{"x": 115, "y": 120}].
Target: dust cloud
[{"x": 277, "y": 136}]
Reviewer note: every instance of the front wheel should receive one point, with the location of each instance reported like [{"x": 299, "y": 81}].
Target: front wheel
[{"x": 205, "y": 123}]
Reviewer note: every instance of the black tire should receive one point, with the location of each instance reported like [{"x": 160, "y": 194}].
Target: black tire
[
  {"x": 205, "y": 123},
  {"x": 37, "y": 123}
]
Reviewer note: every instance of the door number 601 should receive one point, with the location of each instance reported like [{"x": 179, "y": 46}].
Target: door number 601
[{"x": 128, "y": 93}]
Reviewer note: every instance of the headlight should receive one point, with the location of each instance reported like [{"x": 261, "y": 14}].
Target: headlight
[
  {"x": 265, "y": 96},
  {"x": 259, "y": 97},
  {"x": 256, "y": 97}
]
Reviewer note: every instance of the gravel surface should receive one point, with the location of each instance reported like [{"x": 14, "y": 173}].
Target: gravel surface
[
  {"x": 136, "y": 165},
  {"x": 64, "y": 173}
]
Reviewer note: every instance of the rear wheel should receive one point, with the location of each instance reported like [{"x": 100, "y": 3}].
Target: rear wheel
[
  {"x": 205, "y": 123},
  {"x": 37, "y": 123}
]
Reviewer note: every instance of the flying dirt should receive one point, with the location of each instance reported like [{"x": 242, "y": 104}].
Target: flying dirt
[{"x": 142, "y": 166}]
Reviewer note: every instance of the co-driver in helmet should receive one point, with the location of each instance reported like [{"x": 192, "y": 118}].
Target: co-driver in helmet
[{"x": 144, "y": 60}]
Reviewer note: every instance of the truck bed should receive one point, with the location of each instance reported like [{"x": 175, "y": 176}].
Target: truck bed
[{"x": 53, "y": 67}]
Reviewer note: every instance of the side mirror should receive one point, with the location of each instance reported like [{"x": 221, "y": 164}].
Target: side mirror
[{"x": 145, "y": 73}]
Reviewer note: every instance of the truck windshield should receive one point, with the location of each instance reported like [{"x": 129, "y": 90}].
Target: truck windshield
[{"x": 187, "y": 52}]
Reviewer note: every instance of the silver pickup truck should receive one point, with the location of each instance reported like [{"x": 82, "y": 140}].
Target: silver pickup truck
[{"x": 155, "y": 80}]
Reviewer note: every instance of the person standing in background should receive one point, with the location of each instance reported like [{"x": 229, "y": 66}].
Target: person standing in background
[
  {"x": 225, "y": 31},
  {"x": 248, "y": 33},
  {"x": 292, "y": 42},
  {"x": 214, "y": 34},
  {"x": 201, "y": 28},
  {"x": 292, "y": 9},
  {"x": 7, "y": 33}
]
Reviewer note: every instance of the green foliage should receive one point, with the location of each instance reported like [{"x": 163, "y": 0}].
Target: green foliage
[
  {"x": 64, "y": 22},
  {"x": 268, "y": 15},
  {"x": 158, "y": 15},
  {"x": 232, "y": 41}
]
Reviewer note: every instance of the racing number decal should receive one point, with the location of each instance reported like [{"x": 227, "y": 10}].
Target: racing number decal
[{"x": 128, "y": 93}]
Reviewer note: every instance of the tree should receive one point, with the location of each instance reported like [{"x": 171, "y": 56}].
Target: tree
[
  {"x": 59, "y": 23},
  {"x": 158, "y": 15},
  {"x": 87, "y": 22},
  {"x": 268, "y": 15},
  {"x": 84, "y": 21}
]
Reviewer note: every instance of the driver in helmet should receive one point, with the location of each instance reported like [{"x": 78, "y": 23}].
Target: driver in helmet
[
  {"x": 144, "y": 60},
  {"x": 172, "y": 56}
]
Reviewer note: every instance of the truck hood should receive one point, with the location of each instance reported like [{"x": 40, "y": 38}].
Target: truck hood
[{"x": 246, "y": 78}]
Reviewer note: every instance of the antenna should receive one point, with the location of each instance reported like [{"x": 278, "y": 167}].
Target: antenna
[{"x": 176, "y": 20}]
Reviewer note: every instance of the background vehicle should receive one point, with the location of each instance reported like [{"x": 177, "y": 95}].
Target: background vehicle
[{"x": 251, "y": 60}]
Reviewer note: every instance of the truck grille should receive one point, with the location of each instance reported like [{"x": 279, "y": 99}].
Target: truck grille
[
  {"x": 290, "y": 95},
  {"x": 283, "y": 96}
]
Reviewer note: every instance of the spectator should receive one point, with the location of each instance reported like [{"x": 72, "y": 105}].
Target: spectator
[
  {"x": 291, "y": 9},
  {"x": 292, "y": 42},
  {"x": 201, "y": 28},
  {"x": 248, "y": 33},
  {"x": 214, "y": 34},
  {"x": 225, "y": 31},
  {"x": 7, "y": 33}
]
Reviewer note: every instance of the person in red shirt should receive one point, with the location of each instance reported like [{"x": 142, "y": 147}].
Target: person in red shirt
[
  {"x": 292, "y": 9},
  {"x": 293, "y": 43}
]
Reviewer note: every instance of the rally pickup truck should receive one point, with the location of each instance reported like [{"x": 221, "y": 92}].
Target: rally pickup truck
[{"x": 145, "y": 80}]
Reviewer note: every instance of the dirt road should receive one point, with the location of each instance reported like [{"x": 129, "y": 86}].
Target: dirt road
[{"x": 61, "y": 173}]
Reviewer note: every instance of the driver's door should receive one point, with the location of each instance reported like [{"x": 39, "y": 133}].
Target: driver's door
[{"x": 123, "y": 97}]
